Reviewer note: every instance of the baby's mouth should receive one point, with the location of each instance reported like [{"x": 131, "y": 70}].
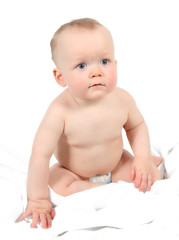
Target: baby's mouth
[{"x": 97, "y": 85}]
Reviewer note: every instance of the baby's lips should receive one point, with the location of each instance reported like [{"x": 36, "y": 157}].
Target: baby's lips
[{"x": 97, "y": 84}]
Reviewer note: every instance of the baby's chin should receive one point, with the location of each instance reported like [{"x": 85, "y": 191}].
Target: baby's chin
[{"x": 98, "y": 94}]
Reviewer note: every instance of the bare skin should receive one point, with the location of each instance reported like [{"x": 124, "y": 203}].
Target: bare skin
[
  {"x": 83, "y": 127},
  {"x": 65, "y": 182}
]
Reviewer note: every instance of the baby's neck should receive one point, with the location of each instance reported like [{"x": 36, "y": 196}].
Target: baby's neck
[{"x": 89, "y": 103}]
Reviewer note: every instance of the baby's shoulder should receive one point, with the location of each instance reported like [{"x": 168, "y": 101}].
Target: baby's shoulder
[
  {"x": 59, "y": 105},
  {"x": 123, "y": 95},
  {"x": 63, "y": 100}
]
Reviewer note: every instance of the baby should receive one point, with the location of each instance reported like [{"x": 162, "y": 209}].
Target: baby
[{"x": 83, "y": 125}]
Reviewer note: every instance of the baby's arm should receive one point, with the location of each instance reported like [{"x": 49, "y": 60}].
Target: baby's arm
[
  {"x": 44, "y": 145},
  {"x": 144, "y": 173}
]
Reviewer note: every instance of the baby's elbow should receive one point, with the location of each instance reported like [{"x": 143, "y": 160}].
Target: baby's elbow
[{"x": 137, "y": 125}]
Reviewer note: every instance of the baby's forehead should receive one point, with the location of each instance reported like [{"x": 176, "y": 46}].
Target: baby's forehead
[
  {"x": 74, "y": 40},
  {"x": 71, "y": 33}
]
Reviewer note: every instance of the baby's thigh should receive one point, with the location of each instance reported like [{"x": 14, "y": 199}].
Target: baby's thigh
[
  {"x": 123, "y": 169},
  {"x": 61, "y": 178}
]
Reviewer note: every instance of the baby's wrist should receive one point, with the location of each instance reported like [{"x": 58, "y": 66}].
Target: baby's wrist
[{"x": 143, "y": 157}]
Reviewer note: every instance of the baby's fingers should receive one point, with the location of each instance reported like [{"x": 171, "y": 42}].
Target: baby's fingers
[
  {"x": 43, "y": 220},
  {"x": 132, "y": 174},
  {"x": 143, "y": 184},
  {"x": 138, "y": 180},
  {"x": 149, "y": 185},
  {"x": 49, "y": 220},
  {"x": 35, "y": 218},
  {"x": 26, "y": 214},
  {"x": 52, "y": 213},
  {"x": 46, "y": 220},
  {"x": 146, "y": 184}
]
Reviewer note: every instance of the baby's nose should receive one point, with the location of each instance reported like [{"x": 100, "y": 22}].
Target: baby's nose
[{"x": 95, "y": 72}]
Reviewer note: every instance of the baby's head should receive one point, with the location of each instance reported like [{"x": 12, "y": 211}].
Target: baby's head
[
  {"x": 83, "y": 24},
  {"x": 83, "y": 49}
]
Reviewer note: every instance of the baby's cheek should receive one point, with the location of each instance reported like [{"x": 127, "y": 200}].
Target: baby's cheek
[
  {"x": 77, "y": 87},
  {"x": 112, "y": 80}
]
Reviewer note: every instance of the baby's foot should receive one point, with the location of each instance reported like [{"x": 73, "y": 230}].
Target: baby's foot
[{"x": 157, "y": 160}]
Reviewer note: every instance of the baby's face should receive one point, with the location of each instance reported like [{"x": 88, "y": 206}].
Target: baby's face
[{"x": 86, "y": 61}]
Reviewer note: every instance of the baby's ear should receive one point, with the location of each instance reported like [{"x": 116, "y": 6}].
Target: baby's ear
[{"x": 58, "y": 77}]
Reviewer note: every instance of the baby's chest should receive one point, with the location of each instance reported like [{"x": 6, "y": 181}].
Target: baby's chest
[{"x": 94, "y": 127}]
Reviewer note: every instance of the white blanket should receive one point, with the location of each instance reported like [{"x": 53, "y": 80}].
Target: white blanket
[{"x": 116, "y": 211}]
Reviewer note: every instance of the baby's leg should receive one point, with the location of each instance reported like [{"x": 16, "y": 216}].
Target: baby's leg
[
  {"x": 123, "y": 169},
  {"x": 65, "y": 182}
]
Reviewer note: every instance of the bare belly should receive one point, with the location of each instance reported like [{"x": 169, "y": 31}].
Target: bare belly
[{"x": 88, "y": 161}]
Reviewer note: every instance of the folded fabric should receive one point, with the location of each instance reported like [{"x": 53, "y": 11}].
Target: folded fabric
[{"x": 114, "y": 205}]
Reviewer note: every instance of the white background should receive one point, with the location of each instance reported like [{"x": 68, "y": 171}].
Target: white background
[{"x": 146, "y": 36}]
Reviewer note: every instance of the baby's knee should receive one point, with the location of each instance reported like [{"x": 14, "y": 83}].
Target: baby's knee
[
  {"x": 123, "y": 169},
  {"x": 61, "y": 180}
]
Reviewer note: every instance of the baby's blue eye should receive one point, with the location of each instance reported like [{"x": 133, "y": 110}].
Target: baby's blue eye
[
  {"x": 104, "y": 61},
  {"x": 81, "y": 66}
]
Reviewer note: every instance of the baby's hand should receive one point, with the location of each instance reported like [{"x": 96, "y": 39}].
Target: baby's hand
[
  {"x": 144, "y": 173},
  {"x": 39, "y": 210}
]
